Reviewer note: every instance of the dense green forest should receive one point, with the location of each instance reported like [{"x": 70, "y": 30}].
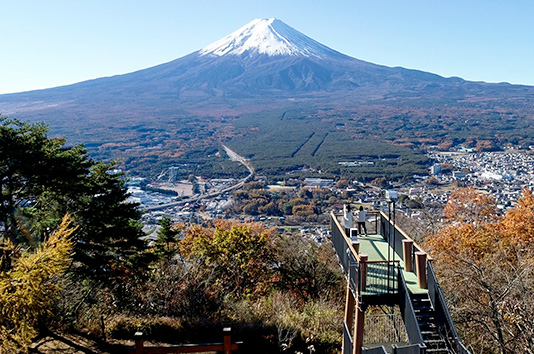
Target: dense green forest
[{"x": 279, "y": 143}]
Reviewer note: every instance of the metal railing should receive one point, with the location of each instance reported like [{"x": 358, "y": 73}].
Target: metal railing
[
  {"x": 382, "y": 277},
  {"x": 408, "y": 313},
  {"x": 410, "y": 349},
  {"x": 347, "y": 340},
  {"x": 377, "y": 350},
  {"x": 340, "y": 242},
  {"x": 447, "y": 327}
]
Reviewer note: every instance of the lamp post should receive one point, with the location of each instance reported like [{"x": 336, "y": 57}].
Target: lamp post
[{"x": 392, "y": 197}]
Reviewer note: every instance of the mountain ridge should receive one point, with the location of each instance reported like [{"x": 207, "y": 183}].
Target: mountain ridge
[{"x": 257, "y": 59}]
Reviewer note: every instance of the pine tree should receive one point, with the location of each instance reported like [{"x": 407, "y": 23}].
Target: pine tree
[
  {"x": 166, "y": 235},
  {"x": 42, "y": 179}
]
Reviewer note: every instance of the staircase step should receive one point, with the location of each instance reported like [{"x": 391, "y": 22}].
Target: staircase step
[
  {"x": 428, "y": 324},
  {"x": 431, "y": 337},
  {"x": 425, "y": 315},
  {"x": 437, "y": 344},
  {"x": 423, "y": 309},
  {"x": 437, "y": 351}
]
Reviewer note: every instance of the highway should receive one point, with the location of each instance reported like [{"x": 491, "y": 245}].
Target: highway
[{"x": 234, "y": 157}]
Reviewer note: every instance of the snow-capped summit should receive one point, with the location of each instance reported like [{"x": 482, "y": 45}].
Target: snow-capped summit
[{"x": 267, "y": 36}]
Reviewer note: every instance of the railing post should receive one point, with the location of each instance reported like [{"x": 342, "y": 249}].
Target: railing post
[
  {"x": 138, "y": 336},
  {"x": 376, "y": 223},
  {"x": 407, "y": 247},
  {"x": 356, "y": 246},
  {"x": 227, "y": 332},
  {"x": 363, "y": 271},
  {"x": 421, "y": 269}
]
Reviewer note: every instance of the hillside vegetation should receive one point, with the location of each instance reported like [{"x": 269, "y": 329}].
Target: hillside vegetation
[
  {"x": 95, "y": 275},
  {"x": 485, "y": 265}
]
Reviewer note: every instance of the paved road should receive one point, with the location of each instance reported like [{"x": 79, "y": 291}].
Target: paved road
[{"x": 234, "y": 157}]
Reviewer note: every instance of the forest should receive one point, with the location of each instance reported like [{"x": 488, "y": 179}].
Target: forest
[
  {"x": 394, "y": 136},
  {"x": 72, "y": 260}
]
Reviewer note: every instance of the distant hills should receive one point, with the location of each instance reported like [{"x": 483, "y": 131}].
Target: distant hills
[{"x": 238, "y": 89}]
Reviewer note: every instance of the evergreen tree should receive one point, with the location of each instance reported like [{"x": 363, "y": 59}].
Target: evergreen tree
[
  {"x": 41, "y": 179},
  {"x": 166, "y": 235}
]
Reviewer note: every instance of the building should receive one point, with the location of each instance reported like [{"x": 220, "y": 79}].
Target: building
[
  {"x": 318, "y": 182},
  {"x": 435, "y": 169}
]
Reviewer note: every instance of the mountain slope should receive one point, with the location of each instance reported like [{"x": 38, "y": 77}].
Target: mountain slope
[
  {"x": 265, "y": 57},
  {"x": 183, "y": 108}
]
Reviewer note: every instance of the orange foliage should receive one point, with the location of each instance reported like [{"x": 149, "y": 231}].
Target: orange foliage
[
  {"x": 517, "y": 225},
  {"x": 466, "y": 205},
  {"x": 486, "y": 267}
]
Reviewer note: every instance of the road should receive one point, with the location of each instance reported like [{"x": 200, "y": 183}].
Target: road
[{"x": 234, "y": 157}]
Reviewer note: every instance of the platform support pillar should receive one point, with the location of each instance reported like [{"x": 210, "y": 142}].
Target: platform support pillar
[
  {"x": 358, "y": 329},
  {"x": 407, "y": 248},
  {"x": 350, "y": 305}
]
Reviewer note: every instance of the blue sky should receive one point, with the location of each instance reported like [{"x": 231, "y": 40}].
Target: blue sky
[{"x": 50, "y": 43}]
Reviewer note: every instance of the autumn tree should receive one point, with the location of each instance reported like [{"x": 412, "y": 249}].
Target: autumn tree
[
  {"x": 486, "y": 268},
  {"x": 29, "y": 288},
  {"x": 468, "y": 205},
  {"x": 379, "y": 182},
  {"x": 239, "y": 257},
  {"x": 308, "y": 270},
  {"x": 342, "y": 183}
]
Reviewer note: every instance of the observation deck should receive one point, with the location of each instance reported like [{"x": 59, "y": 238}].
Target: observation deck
[{"x": 386, "y": 267}]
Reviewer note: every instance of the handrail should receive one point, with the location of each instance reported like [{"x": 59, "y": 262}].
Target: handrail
[
  {"x": 404, "y": 235},
  {"x": 347, "y": 239},
  {"x": 408, "y": 313},
  {"x": 227, "y": 346},
  {"x": 440, "y": 306},
  {"x": 375, "y": 213},
  {"x": 376, "y": 350}
]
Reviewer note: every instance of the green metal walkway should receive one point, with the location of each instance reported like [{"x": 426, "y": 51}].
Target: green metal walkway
[{"x": 376, "y": 248}]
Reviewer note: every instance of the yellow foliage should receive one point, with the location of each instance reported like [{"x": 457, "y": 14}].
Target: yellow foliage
[
  {"x": 28, "y": 289},
  {"x": 239, "y": 254}
]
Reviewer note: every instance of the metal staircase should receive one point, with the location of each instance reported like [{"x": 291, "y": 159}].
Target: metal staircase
[{"x": 429, "y": 325}]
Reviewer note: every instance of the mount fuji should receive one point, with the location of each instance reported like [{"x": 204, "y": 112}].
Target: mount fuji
[
  {"x": 263, "y": 61},
  {"x": 267, "y": 65}
]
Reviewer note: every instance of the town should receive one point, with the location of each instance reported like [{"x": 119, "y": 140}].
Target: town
[{"x": 500, "y": 174}]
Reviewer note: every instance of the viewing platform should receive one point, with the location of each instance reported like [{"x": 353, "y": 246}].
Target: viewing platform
[{"x": 386, "y": 267}]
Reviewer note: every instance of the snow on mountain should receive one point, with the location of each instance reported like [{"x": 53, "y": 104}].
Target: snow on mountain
[{"x": 268, "y": 36}]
